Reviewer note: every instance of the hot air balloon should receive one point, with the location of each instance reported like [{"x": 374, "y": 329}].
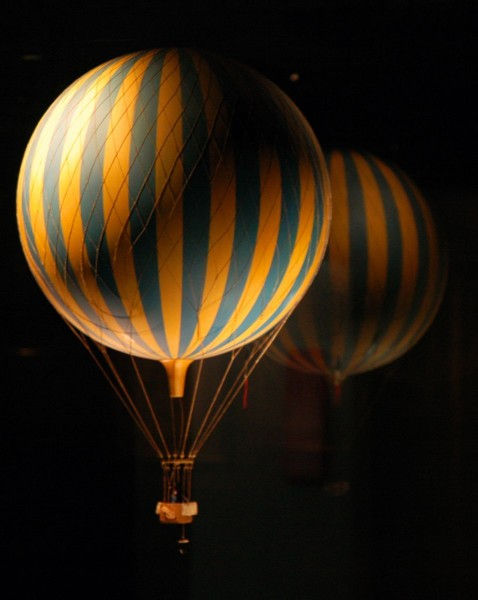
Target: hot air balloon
[
  {"x": 381, "y": 281},
  {"x": 173, "y": 206}
]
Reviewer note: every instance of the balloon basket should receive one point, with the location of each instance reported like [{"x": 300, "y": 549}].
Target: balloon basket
[
  {"x": 176, "y": 513},
  {"x": 176, "y": 507}
]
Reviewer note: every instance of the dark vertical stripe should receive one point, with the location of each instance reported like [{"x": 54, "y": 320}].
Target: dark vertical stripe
[
  {"x": 423, "y": 272},
  {"x": 289, "y": 221},
  {"x": 196, "y": 198},
  {"x": 245, "y": 234},
  {"x": 323, "y": 303},
  {"x": 61, "y": 261},
  {"x": 92, "y": 192},
  {"x": 280, "y": 127},
  {"x": 394, "y": 257},
  {"x": 52, "y": 210},
  {"x": 142, "y": 197},
  {"x": 247, "y": 192},
  {"x": 304, "y": 271},
  {"x": 33, "y": 148},
  {"x": 438, "y": 291}
]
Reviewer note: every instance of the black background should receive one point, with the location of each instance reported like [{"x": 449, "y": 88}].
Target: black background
[{"x": 394, "y": 78}]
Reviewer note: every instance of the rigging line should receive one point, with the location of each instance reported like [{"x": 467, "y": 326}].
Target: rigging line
[
  {"x": 117, "y": 390},
  {"x": 191, "y": 409},
  {"x": 181, "y": 421},
  {"x": 173, "y": 425},
  {"x": 192, "y": 451},
  {"x": 139, "y": 419},
  {"x": 221, "y": 410},
  {"x": 150, "y": 406},
  {"x": 105, "y": 373},
  {"x": 260, "y": 348}
]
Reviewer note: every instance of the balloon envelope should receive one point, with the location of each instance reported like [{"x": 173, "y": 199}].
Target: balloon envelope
[
  {"x": 173, "y": 205},
  {"x": 382, "y": 278}
]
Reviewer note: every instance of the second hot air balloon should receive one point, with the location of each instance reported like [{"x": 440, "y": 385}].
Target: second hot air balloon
[
  {"x": 382, "y": 279},
  {"x": 376, "y": 293}
]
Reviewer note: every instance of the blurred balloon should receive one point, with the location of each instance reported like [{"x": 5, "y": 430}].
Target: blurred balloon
[
  {"x": 376, "y": 293},
  {"x": 382, "y": 279},
  {"x": 173, "y": 205}
]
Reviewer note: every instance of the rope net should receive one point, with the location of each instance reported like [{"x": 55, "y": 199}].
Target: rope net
[{"x": 178, "y": 428}]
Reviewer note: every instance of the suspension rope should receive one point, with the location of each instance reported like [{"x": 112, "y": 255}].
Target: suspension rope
[
  {"x": 173, "y": 425},
  {"x": 259, "y": 349},
  {"x": 181, "y": 423},
  {"x": 142, "y": 425},
  {"x": 192, "y": 405},
  {"x": 118, "y": 387},
  {"x": 147, "y": 397},
  {"x": 192, "y": 452}
]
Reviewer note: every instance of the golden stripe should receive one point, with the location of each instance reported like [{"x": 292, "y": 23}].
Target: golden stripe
[
  {"x": 36, "y": 210},
  {"x": 70, "y": 200},
  {"x": 116, "y": 200},
  {"x": 338, "y": 257},
  {"x": 32, "y": 263},
  {"x": 169, "y": 187},
  {"x": 79, "y": 320},
  {"x": 428, "y": 298},
  {"x": 37, "y": 172},
  {"x": 223, "y": 204},
  {"x": 221, "y": 241},
  {"x": 307, "y": 215},
  {"x": 266, "y": 242},
  {"x": 377, "y": 260},
  {"x": 409, "y": 237},
  {"x": 24, "y": 240}
]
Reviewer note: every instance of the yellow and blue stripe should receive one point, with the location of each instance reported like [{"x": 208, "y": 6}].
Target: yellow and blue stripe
[
  {"x": 173, "y": 205},
  {"x": 381, "y": 281}
]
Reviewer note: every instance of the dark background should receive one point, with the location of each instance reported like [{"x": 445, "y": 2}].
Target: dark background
[{"x": 79, "y": 488}]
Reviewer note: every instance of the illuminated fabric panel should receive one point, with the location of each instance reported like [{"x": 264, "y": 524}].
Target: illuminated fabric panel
[
  {"x": 381, "y": 281},
  {"x": 172, "y": 204}
]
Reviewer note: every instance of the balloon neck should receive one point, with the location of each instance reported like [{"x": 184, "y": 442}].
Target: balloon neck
[{"x": 176, "y": 369}]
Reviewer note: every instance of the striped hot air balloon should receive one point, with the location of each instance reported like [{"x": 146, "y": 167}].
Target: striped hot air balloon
[
  {"x": 173, "y": 205},
  {"x": 382, "y": 279}
]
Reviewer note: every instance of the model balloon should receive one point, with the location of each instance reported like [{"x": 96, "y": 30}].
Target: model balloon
[
  {"x": 381, "y": 282},
  {"x": 173, "y": 205}
]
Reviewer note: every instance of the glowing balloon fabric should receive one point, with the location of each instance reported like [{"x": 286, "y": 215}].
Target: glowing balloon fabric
[
  {"x": 382, "y": 278},
  {"x": 172, "y": 204}
]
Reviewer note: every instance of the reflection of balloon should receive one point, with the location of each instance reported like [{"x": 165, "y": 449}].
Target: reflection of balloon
[
  {"x": 174, "y": 206},
  {"x": 381, "y": 281}
]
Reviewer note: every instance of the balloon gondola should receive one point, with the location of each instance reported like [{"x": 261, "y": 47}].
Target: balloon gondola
[{"x": 173, "y": 206}]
